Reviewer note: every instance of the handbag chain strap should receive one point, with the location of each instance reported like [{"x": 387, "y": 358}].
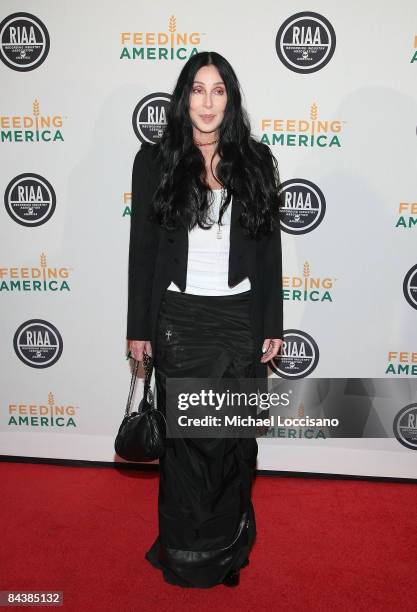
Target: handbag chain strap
[{"x": 147, "y": 392}]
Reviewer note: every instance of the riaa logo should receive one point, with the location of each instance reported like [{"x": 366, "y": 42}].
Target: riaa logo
[
  {"x": 24, "y": 42},
  {"x": 405, "y": 426},
  {"x": 303, "y": 206},
  {"x": 30, "y": 199},
  {"x": 410, "y": 287},
  {"x": 305, "y": 42},
  {"x": 149, "y": 117},
  {"x": 298, "y": 357},
  {"x": 38, "y": 343}
]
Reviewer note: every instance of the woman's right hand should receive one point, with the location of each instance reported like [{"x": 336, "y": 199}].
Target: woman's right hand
[{"x": 137, "y": 347}]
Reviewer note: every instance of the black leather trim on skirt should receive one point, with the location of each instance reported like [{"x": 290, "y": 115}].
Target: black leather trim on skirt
[{"x": 206, "y": 517}]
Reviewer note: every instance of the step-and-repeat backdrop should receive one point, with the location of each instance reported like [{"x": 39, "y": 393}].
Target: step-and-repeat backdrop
[{"x": 332, "y": 90}]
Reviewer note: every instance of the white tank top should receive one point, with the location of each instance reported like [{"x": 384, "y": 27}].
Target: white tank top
[{"x": 208, "y": 256}]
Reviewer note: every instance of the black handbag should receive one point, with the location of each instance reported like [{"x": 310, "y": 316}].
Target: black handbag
[{"x": 141, "y": 435}]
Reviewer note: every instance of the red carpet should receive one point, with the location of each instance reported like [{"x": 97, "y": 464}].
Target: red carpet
[{"x": 322, "y": 544}]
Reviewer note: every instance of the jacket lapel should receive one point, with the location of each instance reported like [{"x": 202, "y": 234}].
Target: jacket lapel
[{"x": 237, "y": 259}]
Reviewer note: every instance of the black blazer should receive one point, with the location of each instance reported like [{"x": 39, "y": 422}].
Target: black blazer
[{"x": 157, "y": 257}]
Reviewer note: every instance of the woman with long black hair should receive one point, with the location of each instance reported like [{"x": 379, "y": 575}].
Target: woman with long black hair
[{"x": 205, "y": 299}]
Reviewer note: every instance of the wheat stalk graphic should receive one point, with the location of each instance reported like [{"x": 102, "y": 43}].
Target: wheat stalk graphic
[
  {"x": 51, "y": 399},
  {"x": 172, "y": 26},
  {"x": 172, "y": 23},
  {"x": 306, "y": 273},
  {"x": 43, "y": 265},
  {"x": 35, "y": 108},
  {"x": 301, "y": 411},
  {"x": 313, "y": 111}
]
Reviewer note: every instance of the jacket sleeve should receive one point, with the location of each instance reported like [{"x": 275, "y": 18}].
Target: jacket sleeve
[
  {"x": 272, "y": 286},
  {"x": 143, "y": 247},
  {"x": 272, "y": 279}
]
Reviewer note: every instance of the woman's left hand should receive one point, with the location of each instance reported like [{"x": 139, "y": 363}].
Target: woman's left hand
[{"x": 271, "y": 347}]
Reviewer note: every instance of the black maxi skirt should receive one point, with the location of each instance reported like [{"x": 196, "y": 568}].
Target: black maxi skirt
[{"x": 206, "y": 517}]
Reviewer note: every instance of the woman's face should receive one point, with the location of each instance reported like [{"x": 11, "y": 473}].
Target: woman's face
[{"x": 208, "y": 100}]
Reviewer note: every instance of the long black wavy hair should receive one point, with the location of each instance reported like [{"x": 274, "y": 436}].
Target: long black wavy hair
[{"x": 246, "y": 169}]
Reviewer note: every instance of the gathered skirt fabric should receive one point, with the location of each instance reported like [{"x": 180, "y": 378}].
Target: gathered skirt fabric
[{"x": 206, "y": 517}]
